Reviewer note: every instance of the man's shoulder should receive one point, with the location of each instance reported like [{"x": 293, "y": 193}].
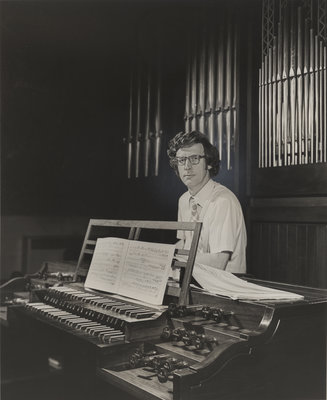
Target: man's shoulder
[
  {"x": 221, "y": 192},
  {"x": 219, "y": 189}
]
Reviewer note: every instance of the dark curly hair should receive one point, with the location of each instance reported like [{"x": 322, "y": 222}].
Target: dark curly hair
[{"x": 188, "y": 139}]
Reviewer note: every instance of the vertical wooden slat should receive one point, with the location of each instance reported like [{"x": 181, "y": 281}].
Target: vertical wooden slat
[
  {"x": 302, "y": 254},
  {"x": 312, "y": 254},
  {"x": 273, "y": 247},
  {"x": 292, "y": 272},
  {"x": 322, "y": 270},
  {"x": 284, "y": 256}
]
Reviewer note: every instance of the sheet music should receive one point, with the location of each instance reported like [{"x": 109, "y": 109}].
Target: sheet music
[
  {"x": 226, "y": 284},
  {"x": 146, "y": 271},
  {"x": 106, "y": 265},
  {"x": 131, "y": 268}
]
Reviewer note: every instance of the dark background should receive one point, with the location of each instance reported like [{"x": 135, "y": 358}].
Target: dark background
[
  {"x": 65, "y": 74},
  {"x": 65, "y": 93}
]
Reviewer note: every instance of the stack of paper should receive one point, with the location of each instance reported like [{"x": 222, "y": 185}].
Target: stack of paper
[{"x": 226, "y": 284}]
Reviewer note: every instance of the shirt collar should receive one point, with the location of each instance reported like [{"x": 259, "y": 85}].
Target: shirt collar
[{"x": 202, "y": 196}]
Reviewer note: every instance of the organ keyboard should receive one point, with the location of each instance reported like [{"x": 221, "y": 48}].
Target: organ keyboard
[
  {"x": 98, "y": 318},
  {"x": 197, "y": 345}
]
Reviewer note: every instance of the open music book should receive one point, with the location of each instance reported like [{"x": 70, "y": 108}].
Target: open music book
[{"x": 131, "y": 268}]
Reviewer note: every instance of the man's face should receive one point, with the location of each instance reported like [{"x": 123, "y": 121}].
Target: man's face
[{"x": 193, "y": 176}]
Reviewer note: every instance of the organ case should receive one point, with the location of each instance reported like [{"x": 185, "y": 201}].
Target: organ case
[{"x": 197, "y": 345}]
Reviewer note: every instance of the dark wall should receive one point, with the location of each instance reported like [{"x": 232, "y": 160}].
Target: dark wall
[
  {"x": 65, "y": 77},
  {"x": 65, "y": 92},
  {"x": 65, "y": 74},
  {"x": 56, "y": 105}
]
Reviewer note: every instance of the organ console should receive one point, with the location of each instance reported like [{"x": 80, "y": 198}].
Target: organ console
[{"x": 197, "y": 345}]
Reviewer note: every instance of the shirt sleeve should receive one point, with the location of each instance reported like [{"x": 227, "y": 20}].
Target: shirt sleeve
[{"x": 224, "y": 225}]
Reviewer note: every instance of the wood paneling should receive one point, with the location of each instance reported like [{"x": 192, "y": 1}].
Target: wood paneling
[
  {"x": 290, "y": 181},
  {"x": 292, "y": 209},
  {"x": 289, "y": 252}
]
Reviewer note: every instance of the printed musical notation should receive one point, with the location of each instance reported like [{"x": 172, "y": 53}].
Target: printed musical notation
[
  {"x": 134, "y": 269},
  {"x": 105, "y": 269},
  {"x": 147, "y": 267}
]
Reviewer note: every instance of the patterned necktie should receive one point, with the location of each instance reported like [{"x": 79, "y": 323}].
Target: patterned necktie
[
  {"x": 195, "y": 214},
  {"x": 194, "y": 210}
]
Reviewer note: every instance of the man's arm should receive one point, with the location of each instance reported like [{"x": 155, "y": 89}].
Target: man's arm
[{"x": 215, "y": 260}]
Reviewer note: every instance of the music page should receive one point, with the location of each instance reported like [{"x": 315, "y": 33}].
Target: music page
[
  {"x": 131, "y": 268},
  {"x": 107, "y": 264},
  {"x": 226, "y": 284},
  {"x": 146, "y": 271}
]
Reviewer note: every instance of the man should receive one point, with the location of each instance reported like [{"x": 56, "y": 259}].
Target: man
[{"x": 223, "y": 237}]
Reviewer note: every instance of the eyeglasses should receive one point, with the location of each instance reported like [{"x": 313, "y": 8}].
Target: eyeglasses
[{"x": 193, "y": 159}]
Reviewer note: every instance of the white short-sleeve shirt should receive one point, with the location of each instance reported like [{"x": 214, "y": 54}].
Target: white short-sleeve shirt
[{"x": 223, "y": 227}]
